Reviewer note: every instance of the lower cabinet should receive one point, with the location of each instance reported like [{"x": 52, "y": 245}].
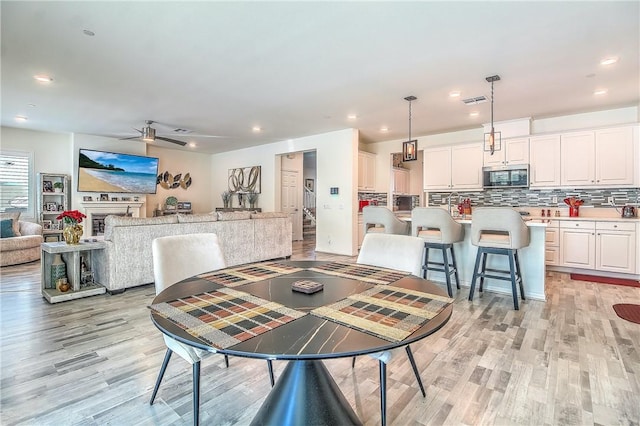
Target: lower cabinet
[
  {"x": 602, "y": 246},
  {"x": 552, "y": 244}
]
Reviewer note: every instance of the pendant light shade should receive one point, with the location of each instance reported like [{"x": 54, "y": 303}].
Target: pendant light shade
[
  {"x": 410, "y": 147},
  {"x": 493, "y": 139},
  {"x": 148, "y": 134}
]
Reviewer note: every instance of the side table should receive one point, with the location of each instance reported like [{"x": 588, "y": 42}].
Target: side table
[{"x": 74, "y": 256}]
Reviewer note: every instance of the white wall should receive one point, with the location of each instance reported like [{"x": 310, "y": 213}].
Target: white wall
[{"x": 336, "y": 160}]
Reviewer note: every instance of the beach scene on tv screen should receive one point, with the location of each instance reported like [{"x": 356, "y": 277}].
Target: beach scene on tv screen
[{"x": 112, "y": 172}]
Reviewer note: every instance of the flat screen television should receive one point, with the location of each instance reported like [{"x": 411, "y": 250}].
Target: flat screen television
[{"x": 100, "y": 171}]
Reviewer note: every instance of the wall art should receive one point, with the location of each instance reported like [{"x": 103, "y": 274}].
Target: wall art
[{"x": 244, "y": 179}]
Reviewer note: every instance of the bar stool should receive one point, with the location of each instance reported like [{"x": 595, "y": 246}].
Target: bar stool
[
  {"x": 378, "y": 215},
  {"x": 496, "y": 230},
  {"x": 439, "y": 231}
]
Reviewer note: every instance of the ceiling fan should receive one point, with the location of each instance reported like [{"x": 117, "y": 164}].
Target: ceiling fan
[{"x": 148, "y": 134}]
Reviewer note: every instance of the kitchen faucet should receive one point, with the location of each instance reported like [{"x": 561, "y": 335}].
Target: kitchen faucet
[{"x": 450, "y": 197}]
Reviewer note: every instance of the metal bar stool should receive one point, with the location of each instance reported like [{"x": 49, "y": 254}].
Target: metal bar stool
[
  {"x": 378, "y": 215},
  {"x": 439, "y": 231},
  {"x": 502, "y": 231}
]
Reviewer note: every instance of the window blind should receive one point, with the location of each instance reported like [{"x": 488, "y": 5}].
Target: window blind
[{"x": 15, "y": 181}]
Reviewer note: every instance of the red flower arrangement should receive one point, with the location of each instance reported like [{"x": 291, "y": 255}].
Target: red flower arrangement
[{"x": 71, "y": 217}]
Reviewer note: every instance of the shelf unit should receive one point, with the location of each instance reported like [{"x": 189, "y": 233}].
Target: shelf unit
[
  {"x": 81, "y": 268},
  {"x": 51, "y": 202}
]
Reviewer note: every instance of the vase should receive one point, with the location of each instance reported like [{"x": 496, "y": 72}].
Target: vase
[
  {"x": 72, "y": 233},
  {"x": 58, "y": 270}
]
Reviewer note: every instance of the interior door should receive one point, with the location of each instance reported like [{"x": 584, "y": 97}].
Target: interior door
[{"x": 291, "y": 201}]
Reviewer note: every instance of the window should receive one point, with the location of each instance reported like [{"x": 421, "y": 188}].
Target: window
[{"x": 16, "y": 182}]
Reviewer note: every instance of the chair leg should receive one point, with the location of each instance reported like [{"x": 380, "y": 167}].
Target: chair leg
[
  {"x": 167, "y": 357},
  {"x": 455, "y": 267},
  {"x": 519, "y": 273},
  {"x": 425, "y": 264},
  {"x": 226, "y": 361},
  {"x": 383, "y": 393},
  {"x": 270, "y": 367},
  {"x": 484, "y": 269},
  {"x": 447, "y": 274},
  {"x": 475, "y": 273},
  {"x": 353, "y": 362},
  {"x": 415, "y": 370},
  {"x": 196, "y": 393},
  {"x": 514, "y": 287}
]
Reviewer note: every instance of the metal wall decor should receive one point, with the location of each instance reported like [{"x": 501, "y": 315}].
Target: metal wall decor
[
  {"x": 244, "y": 179},
  {"x": 169, "y": 181}
]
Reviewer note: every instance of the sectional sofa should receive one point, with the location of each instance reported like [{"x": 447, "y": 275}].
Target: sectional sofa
[
  {"x": 245, "y": 237},
  {"x": 24, "y": 246}
]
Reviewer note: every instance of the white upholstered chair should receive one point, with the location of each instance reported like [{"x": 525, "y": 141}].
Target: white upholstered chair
[
  {"x": 387, "y": 222},
  {"x": 439, "y": 231},
  {"x": 497, "y": 230},
  {"x": 403, "y": 253},
  {"x": 175, "y": 258}
]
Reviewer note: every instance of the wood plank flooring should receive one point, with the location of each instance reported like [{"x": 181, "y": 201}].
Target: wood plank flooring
[{"x": 94, "y": 361}]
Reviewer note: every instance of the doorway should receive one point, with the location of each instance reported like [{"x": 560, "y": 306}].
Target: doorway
[
  {"x": 298, "y": 185},
  {"x": 290, "y": 191}
]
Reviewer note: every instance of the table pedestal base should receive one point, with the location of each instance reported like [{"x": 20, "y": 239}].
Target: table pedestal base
[{"x": 305, "y": 394}]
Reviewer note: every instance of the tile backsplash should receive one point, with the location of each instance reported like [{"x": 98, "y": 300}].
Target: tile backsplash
[{"x": 522, "y": 197}]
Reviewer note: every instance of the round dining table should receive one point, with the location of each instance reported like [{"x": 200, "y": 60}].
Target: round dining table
[{"x": 303, "y": 329}]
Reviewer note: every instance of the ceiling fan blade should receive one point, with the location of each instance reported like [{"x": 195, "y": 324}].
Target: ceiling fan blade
[
  {"x": 132, "y": 137},
  {"x": 181, "y": 143}
]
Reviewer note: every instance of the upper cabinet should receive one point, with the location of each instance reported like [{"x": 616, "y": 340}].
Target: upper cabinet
[
  {"x": 598, "y": 158},
  {"x": 366, "y": 171},
  {"x": 544, "y": 154},
  {"x": 401, "y": 181},
  {"x": 453, "y": 168},
  {"x": 513, "y": 152}
]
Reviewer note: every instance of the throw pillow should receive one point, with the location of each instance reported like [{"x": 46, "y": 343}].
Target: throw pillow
[
  {"x": 6, "y": 228},
  {"x": 16, "y": 224}
]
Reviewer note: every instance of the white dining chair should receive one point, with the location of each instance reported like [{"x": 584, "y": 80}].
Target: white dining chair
[
  {"x": 402, "y": 253},
  {"x": 379, "y": 219},
  {"x": 175, "y": 258}
]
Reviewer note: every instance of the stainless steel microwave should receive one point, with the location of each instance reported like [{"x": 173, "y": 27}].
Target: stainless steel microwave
[{"x": 516, "y": 176}]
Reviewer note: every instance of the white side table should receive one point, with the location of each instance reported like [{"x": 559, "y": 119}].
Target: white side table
[{"x": 73, "y": 256}]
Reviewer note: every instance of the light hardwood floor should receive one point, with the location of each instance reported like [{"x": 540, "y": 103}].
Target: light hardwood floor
[{"x": 94, "y": 361}]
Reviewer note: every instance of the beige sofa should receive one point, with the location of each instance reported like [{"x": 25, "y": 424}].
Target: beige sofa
[
  {"x": 245, "y": 237},
  {"x": 23, "y": 248}
]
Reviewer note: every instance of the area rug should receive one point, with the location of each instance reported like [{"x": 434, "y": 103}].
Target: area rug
[
  {"x": 605, "y": 280},
  {"x": 628, "y": 311}
]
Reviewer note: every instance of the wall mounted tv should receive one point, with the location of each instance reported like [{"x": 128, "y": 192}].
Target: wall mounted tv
[{"x": 100, "y": 171}]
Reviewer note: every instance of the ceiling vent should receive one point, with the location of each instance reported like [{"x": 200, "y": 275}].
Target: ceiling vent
[
  {"x": 182, "y": 131},
  {"x": 475, "y": 101}
]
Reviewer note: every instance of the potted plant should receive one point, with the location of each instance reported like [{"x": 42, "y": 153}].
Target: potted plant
[
  {"x": 57, "y": 186},
  {"x": 253, "y": 199},
  {"x": 226, "y": 199}
]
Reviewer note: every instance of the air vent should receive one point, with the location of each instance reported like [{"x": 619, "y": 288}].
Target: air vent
[
  {"x": 475, "y": 101},
  {"x": 182, "y": 131}
]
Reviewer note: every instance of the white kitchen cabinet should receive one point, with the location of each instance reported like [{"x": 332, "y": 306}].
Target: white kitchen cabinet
[
  {"x": 513, "y": 152},
  {"x": 578, "y": 160},
  {"x": 552, "y": 244},
  {"x": 401, "y": 182},
  {"x": 544, "y": 157},
  {"x": 616, "y": 247},
  {"x": 578, "y": 244},
  {"x": 453, "y": 168},
  {"x": 366, "y": 171},
  {"x": 598, "y": 158}
]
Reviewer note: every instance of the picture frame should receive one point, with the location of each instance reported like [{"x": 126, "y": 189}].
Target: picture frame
[
  {"x": 309, "y": 184},
  {"x": 47, "y": 186},
  {"x": 50, "y": 207},
  {"x": 87, "y": 198},
  {"x": 55, "y": 226},
  {"x": 125, "y": 198},
  {"x": 114, "y": 198},
  {"x": 104, "y": 197},
  {"x": 46, "y": 225},
  {"x": 243, "y": 180},
  {"x": 410, "y": 150}
]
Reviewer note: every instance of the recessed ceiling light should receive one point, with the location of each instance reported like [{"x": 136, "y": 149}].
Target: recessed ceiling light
[
  {"x": 42, "y": 78},
  {"x": 21, "y": 118},
  {"x": 600, "y": 92},
  {"x": 474, "y": 114},
  {"x": 31, "y": 105},
  {"x": 351, "y": 117},
  {"x": 88, "y": 33},
  {"x": 192, "y": 144},
  {"x": 609, "y": 61},
  {"x": 384, "y": 129},
  {"x": 454, "y": 94},
  {"x": 256, "y": 129}
]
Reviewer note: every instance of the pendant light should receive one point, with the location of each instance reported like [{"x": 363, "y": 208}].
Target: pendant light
[
  {"x": 493, "y": 139},
  {"x": 410, "y": 147}
]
